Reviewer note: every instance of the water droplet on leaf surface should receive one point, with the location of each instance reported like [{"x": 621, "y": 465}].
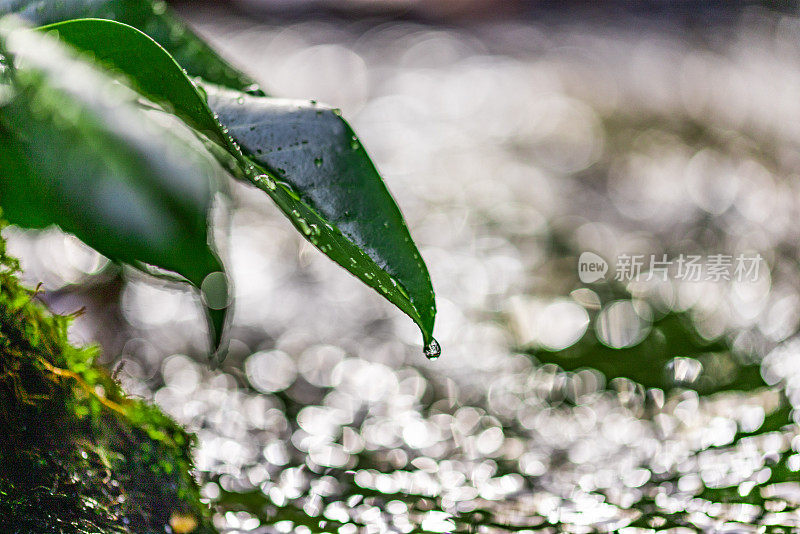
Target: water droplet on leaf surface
[
  {"x": 266, "y": 180},
  {"x": 214, "y": 291}
]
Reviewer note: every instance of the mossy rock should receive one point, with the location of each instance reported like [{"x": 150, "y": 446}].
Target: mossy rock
[{"x": 77, "y": 455}]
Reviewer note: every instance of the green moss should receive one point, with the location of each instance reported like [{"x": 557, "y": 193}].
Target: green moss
[{"x": 76, "y": 455}]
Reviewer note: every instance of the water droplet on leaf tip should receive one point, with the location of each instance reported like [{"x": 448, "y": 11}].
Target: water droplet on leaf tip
[
  {"x": 432, "y": 350},
  {"x": 318, "y": 162}
]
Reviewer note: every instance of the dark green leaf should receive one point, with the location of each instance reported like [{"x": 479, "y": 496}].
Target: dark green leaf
[
  {"x": 153, "y": 18},
  {"x": 304, "y": 155},
  {"x": 310, "y": 148},
  {"x": 77, "y": 151}
]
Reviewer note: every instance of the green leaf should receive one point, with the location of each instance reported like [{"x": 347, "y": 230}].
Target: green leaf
[
  {"x": 303, "y": 155},
  {"x": 314, "y": 153},
  {"x": 149, "y": 68},
  {"x": 151, "y": 17},
  {"x": 77, "y": 150}
]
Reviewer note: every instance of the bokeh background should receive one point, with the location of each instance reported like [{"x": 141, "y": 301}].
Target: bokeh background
[{"x": 514, "y": 135}]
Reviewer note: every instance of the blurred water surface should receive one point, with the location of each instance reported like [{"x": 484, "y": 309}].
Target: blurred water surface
[{"x": 558, "y": 406}]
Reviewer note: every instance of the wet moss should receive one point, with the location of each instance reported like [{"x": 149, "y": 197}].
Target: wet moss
[{"x": 77, "y": 455}]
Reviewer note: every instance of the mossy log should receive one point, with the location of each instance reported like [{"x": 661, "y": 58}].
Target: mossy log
[{"x": 76, "y": 454}]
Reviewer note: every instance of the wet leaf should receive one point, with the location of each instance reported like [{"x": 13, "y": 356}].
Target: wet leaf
[
  {"x": 302, "y": 154},
  {"x": 313, "y": 152},
  {"x": 78, "y": 151}
]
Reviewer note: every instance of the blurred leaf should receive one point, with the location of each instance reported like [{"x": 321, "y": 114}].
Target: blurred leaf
[
  {"x": 304, "y": 155},
  {"x": 77, "y": 151},
  {"x": 653, "y": 363},
  {"x": 153, "y": 18}
]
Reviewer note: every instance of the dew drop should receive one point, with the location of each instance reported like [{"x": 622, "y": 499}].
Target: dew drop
[
  {"x": 214, "y": 291},
  {"x": 303, "y": 226},
  {"x": 318, "y": 162},
  {"x": 267, "y": 180},
  {"x": 432, "y": 350}
]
